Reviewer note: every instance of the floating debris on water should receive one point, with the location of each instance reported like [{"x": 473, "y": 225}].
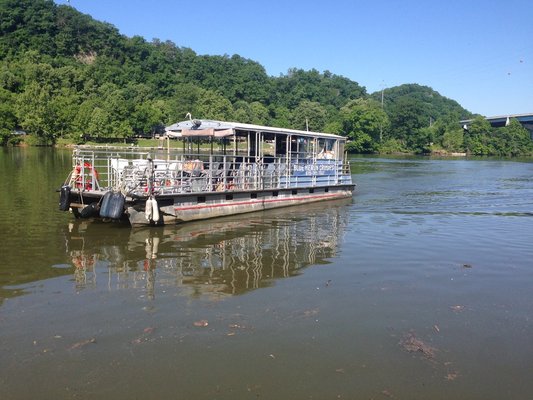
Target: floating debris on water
[
  {"x": 82, "y": 343},
  {"x": 415, "y": 345},
  {"x": 145, "y": 335},
  {"x": 451, "y": 376}
]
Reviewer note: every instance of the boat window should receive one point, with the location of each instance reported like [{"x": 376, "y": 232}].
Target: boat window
[
  {"x": 240, "y": 143},
  {"x": 326, "y": 149},
  {"x": 268, "y": 147},
  {"x": 301, "y": 147},
  {"x": 201, "y": 145},
  {"x": 305, "y": 148},
  {"x": 341, "y": 148},
  {"x": 281, "y": 145}
]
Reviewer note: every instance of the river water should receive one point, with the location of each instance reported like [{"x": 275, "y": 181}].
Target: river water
[{"x": 420, "y": 287}]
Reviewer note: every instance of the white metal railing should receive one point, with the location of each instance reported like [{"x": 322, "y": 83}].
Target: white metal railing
[{"x": 141, "y": 172}]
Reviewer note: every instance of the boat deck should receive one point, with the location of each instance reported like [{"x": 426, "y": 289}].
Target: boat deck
[{"x": 141, "y": 173}]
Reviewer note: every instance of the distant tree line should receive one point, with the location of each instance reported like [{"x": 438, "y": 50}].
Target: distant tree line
[{"x": 65, "y": 75}]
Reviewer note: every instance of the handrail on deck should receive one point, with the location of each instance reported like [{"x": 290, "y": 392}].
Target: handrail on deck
[{"x": 144, "y": 172}]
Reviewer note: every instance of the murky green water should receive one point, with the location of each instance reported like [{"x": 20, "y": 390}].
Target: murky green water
[{"x": 421, "y": 288}]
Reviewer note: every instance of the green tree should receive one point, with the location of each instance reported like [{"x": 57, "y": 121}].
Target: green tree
[
  {"x": 260, "y": 113},
  {"x": 62, "y": 73},
  {"x": 405, "y": 119},
  {"x": 477, "y": 139},
  {"x": 147, "y": 117},
  {"x": 453, "y": 139},
  {"x": 182, "y": 101},
  {"x": 211, "y": 105},
  {"x": 280, "y": 115},
  {"x": 299, "y": 85},
  {"x": 514, "y": 139},
  {"x": 99, "y": 124},
  {"x": 364, "y": 122},
  {"x": 235, "y": 77},
  {"x": 37, "y": 18},
  {"x": 308, "y": 114},
  {"x": 8, "y": 120},
  {"x": 434, "y": 105},
  {"x": 105, "y": 117},
  {"x": 251, "y": 113},
  {"x": 35, "y": 112}
]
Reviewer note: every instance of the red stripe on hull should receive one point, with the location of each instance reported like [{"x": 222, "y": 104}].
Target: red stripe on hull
[{"x": 252, "y": 202}]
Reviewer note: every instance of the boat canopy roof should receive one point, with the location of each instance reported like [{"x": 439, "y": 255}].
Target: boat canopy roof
[{"x": 211, "y": 128}]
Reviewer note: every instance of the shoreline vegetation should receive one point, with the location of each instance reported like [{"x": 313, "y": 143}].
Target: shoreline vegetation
[
  {"x": 64, "y": 74},
  {"x": 162, "y": 143}
]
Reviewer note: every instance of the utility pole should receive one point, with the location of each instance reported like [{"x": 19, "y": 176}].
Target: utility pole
[{"x": 381, "y": 124}]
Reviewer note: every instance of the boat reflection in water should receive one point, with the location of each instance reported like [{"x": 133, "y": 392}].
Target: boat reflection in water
[{"x": 214, "y": 258}]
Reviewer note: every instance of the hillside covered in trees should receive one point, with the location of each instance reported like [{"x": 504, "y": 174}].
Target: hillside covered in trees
[{"x": 64, "y": 75}]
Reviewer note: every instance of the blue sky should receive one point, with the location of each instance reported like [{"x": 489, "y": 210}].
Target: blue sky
[{"x": 479, "y": 53}]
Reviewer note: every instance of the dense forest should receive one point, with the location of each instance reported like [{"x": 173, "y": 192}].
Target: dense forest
[{"x": 65, "y": 76}]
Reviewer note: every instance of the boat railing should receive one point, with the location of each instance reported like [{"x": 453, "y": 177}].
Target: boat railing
[{"x": 146, "y": 172}]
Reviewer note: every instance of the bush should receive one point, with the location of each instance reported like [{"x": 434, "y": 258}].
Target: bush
[
  {"x": 4, "y": 138},
  {"x": 15, "y": 140},
  {"x": 33, "y": 140},
  {"x": 392, "y": 146}
]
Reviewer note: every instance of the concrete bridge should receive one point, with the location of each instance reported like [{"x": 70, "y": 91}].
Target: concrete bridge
[{"x": 503, "y": 120}]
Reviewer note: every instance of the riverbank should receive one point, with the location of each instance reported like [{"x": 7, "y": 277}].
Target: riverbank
[
  {"x": 444, "y": 153},
  {"x": 64, "y": 143},
  {"x": 30, "y": 141}
]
